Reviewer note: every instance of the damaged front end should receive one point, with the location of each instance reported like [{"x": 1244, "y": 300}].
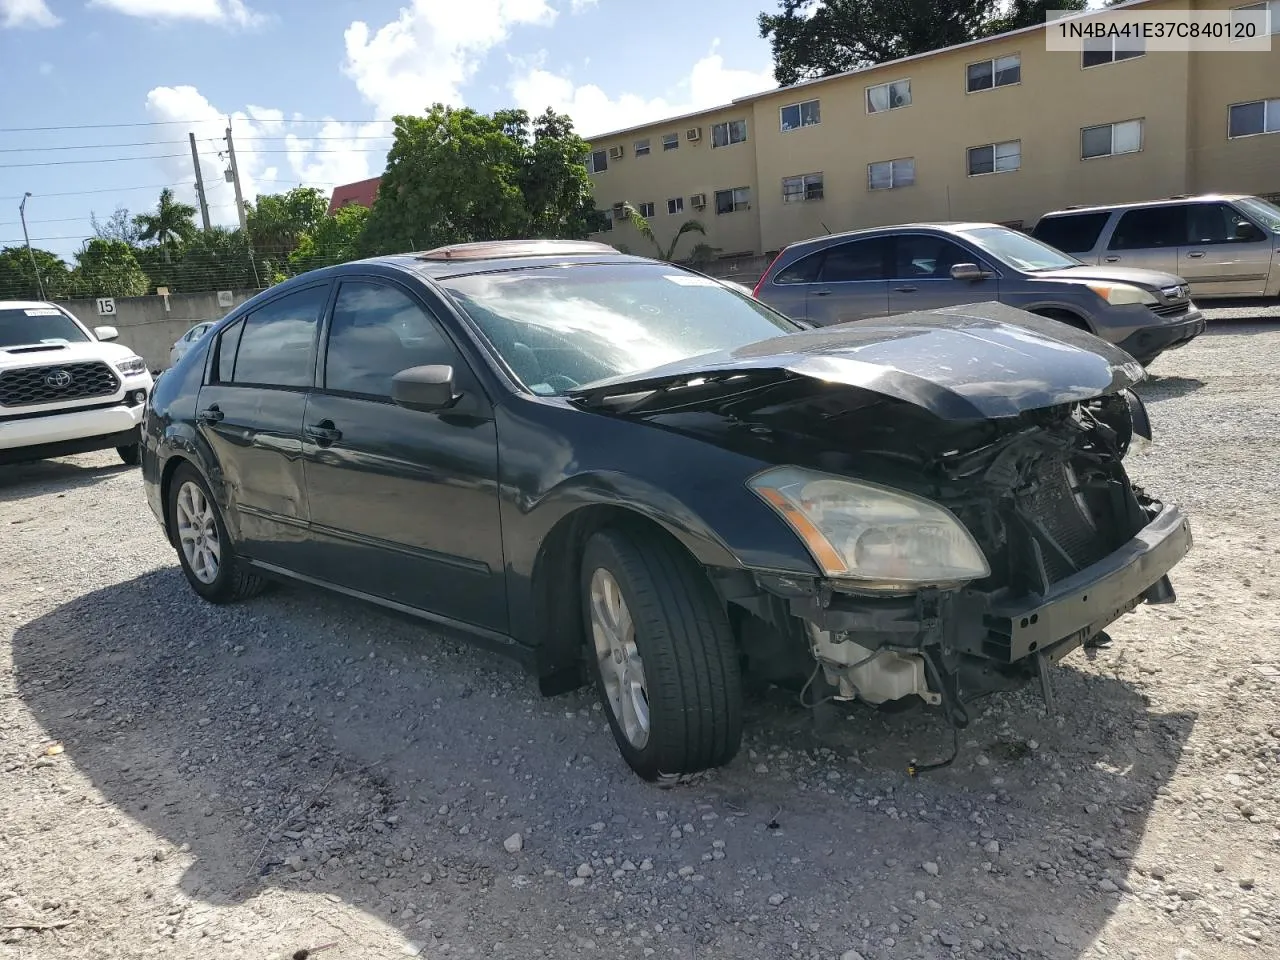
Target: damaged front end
[{"x": 1070, "y": 545}]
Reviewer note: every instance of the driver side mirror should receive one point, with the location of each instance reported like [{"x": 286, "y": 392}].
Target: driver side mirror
[
  {"x": 106, "y": 333},
  {"x": 1246, "y": 231},
  {"x": 426, "y": 388},
  {"x": 968, "y": 271}
]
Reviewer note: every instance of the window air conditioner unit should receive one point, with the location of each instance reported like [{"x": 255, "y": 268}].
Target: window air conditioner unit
[
  {"x": 693, "y": 134},
  {"x": 698, "y": 200},
  {"x": 619, "y": 210},
  {"x": 615, "y": 153}
]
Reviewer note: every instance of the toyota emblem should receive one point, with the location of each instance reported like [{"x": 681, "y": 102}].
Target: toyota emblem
[{"x": 59, "y": 379}]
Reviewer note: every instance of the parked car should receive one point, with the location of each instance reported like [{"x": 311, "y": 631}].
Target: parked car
[
  {"x": 64, "y": 390},
  {"x": 184, "y": 342},
  {"x": 1222, "y": 245},
  {"x": 592, "y": 460},
  {"x": 923, "y": 266}
]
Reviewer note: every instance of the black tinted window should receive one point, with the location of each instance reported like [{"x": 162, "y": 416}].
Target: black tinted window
[
  {"x": 1073, "y": 233},
  {"x": 1220, "y": 223},
  {"x": 228, "y": 344},
  {"x": 276, "y": 346},
  {"x": 804, "y": 270},
  {"x": 856, "y": 260},
  {"x": 31, "y": 325},
  {"x": 376, "y": 332},
  {"x": 921, "y": 256},
  {"x": 1149, "y": 227}
]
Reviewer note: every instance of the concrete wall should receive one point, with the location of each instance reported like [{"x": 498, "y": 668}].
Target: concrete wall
[{"x": 148, "y": 326}]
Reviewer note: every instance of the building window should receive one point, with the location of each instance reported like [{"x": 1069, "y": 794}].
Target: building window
[
  {"x": 731, "y": 201},
  {"x": 889, "y": 96},
  {"x": 988, "y": 74},
  {"x": 799, "y": 189},
  {"x": 1250, "y": 119},
  {"x": 995, "y": 158},
  {"x": 1110, "y": 50},
  {"x": 1109, "y": 139},
  {"x": 671, "y": 141},
  {"x": 646, "y": 210},
  {"x": 598, "y": 162},
  {"x": 642, "y": 148},
  {"x": 723, "y": 134},
  {"x": 796, "y": 115},
  {"x": 608, "y": 221},
  {"x": 1272, "y": 7},
  {"x": 675, "y": 205},
  {"x": 889, "y": 174}
]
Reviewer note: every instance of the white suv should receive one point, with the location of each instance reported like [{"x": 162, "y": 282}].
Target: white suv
[{"x": 65, "y": 390}]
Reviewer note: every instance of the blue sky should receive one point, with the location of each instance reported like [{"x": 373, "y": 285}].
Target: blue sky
[{"x": 304, "y": 81}]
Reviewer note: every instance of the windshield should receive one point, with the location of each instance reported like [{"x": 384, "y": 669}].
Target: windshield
[
  {"x": 26, "y": 327},
  {"x": 558, "y": 328},
  {"x": 1267, "y": 213},
  {"x": 1019, "y": 250}
]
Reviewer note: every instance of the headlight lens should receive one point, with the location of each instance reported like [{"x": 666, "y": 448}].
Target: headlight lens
[
  {"x": 131, "y": 366},
  {"x": 1119, "y": 294},
  {"x": 862, "y": 531}
]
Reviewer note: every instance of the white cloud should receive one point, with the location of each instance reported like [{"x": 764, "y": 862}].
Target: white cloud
[
  {"x": 594, "y": 111},
  {"x": 579, "y": 6},
  {"x": 46, "y": 68},
  {"x": 432, "y": 49},
  {"x": 26, "y": 13},
  {"x": 292, "y": 154},
  {"x": 207, "y": 11}
]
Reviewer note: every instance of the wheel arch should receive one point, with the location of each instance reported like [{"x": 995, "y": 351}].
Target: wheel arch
[{"x": 1063, "y": 314}]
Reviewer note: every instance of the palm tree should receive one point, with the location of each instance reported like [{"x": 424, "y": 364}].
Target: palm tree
[
  {"x": 172, "y": 223},
  {"x": 668, "y": 253}
]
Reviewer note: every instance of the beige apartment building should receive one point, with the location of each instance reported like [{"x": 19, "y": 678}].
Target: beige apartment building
[{"x": 999, "y": 129}]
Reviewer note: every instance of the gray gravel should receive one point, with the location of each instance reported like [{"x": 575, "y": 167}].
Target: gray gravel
[{"x": 179, "y": 780}]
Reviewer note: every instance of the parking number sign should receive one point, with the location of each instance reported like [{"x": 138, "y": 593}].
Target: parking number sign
[{"x": 106, "y": 306}]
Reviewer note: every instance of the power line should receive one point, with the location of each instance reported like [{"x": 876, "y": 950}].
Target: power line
[
  {"x": 156, "y": 143},
  {"x": 82, "y": 193},
  {"x": 63, "y": 163},
  {"x": 162, "y": 123}
]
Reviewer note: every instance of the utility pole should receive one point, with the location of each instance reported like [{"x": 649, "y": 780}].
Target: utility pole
[
  {"x": 204, "y": 203},
  {"x": 235, "y": 180},
  {"x": 22, "y": 212}
]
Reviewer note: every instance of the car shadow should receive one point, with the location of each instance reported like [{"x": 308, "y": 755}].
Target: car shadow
[
  {"x": 302, "y": 741},
  {"x": 20, "y": 481},
  {"x": 1156, "y": 387}
]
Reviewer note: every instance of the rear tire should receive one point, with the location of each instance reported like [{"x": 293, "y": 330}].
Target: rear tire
[
  {"x": 131, "y": 454},
  {"x": 205, "y": 551},
  {"x": 671, "y": 684}
]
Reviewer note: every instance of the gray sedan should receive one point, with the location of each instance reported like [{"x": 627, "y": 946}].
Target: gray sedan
[
  {"x": 925, "y": 266},
  {"x": 188, "y": 340}
]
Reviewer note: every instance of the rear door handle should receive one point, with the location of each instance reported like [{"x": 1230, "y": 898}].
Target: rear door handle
[
  {"x": 906, "y": 289},
  {"x": 1111, "y": 259},
  {"x": 324, "y": 432},
  {"x": 1196, "y": 253},
  {"x": 822, "y": 293},
  {"x": 210, "y": 415}
]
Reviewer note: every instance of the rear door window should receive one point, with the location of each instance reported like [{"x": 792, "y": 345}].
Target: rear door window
[
  {"x": 1073, "y": 232},
  {"x": 854, "y": 261},
  {"x": 1150, "y": 227},
  {"x": 277, "y": 346}
]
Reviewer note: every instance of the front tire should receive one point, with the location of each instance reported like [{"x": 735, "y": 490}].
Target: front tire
[
  {"x": 205, "y": 550},
  {"x": 664, "y": 660}
]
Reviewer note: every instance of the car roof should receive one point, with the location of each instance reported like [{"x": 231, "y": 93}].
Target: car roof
[
  {"x": 944, "y": 226},
  {"x": 1181, "y": 198}
]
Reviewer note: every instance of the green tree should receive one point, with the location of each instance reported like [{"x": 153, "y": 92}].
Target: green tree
[
  {"x": 172, "y": 224},
  {"x": 108, "y": 268},
  {"x": 278, "y": 221},
  {"x": 216, "y": 259},
  {"x": 18, "y": 277},
  {"x": 335, "y": 239},
  {"x": 457, "y": 175},
  {"x": 819, "y": 38},
  {"x": 119, "y": 226},
  {"x": 645, "y": 229}
]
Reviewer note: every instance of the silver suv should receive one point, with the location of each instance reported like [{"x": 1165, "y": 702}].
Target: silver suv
[
  {"x": 927, "y": 266},
  {"x": 1224, "y": 245}
]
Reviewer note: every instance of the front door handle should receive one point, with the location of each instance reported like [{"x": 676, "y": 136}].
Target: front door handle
[
  {"x": 324, "y": 432},
  {"x": 906, "y": 289},
  {"x": 1196, "y": 253},
  {"x": 210, "y": 415},
  {"x": 1111, "y": 259},
  {"x": 822, "y": 293}
]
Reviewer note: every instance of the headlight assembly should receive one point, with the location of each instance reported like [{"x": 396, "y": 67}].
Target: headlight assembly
[
  {"x": 1119, "y": 294},
  {"x": 131, "y": 366},
  {"x": 861, "y": 531}
]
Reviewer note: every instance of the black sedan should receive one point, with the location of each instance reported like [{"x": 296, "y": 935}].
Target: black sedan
[{"x": 617, "y": 469}]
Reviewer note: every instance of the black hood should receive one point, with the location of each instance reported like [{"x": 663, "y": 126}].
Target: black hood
[{"x": 972, "y": 362}]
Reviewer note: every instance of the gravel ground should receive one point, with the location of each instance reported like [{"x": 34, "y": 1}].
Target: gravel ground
[{"x": 179, "y": 780}]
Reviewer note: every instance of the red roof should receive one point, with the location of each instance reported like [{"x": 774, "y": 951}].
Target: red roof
[{"x": 361, "y": 192}]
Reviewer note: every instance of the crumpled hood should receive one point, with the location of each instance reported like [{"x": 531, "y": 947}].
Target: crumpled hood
[
  {"x": 46, "y": 354},
  {"x": 976, "y": 361},
  {"x": 1148, "y": 279}
]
